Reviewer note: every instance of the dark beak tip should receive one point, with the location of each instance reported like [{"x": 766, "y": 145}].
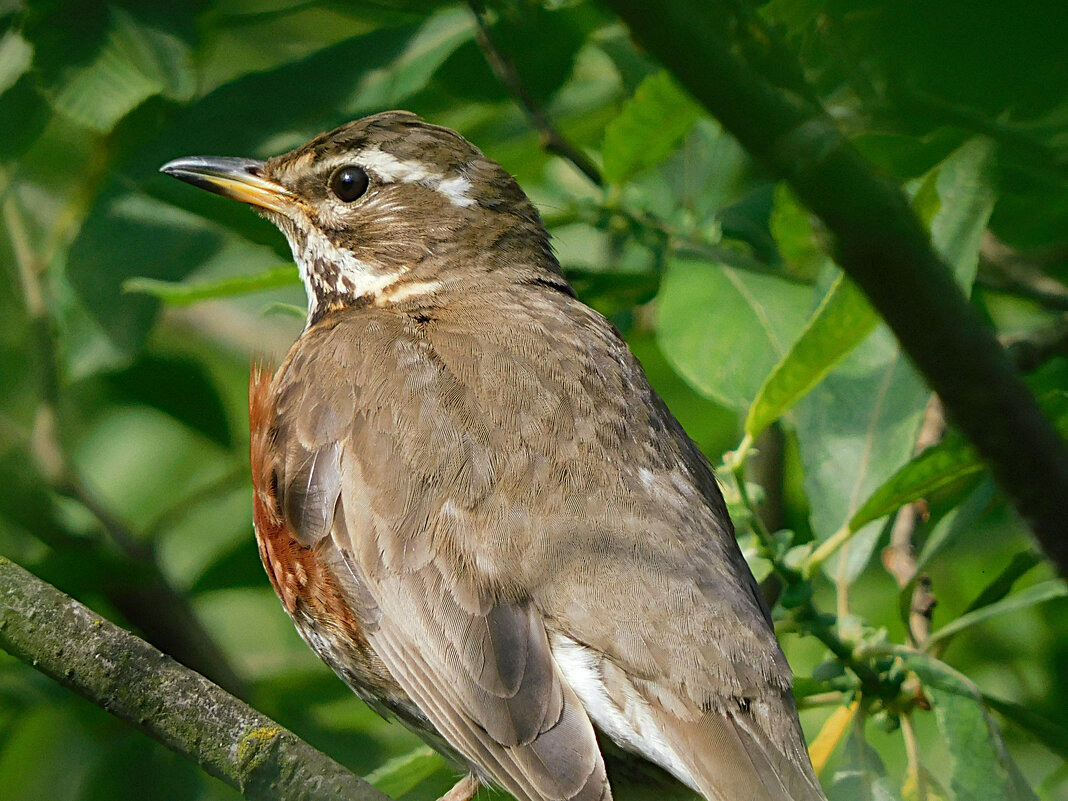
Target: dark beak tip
[{"x": 217, "y": 165}]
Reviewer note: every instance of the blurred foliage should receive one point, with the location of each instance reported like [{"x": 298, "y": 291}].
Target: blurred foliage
[{"x": 122, "y": 421}]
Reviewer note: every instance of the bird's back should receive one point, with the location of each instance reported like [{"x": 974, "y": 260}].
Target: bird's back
[{"x": 540, "y": 462}]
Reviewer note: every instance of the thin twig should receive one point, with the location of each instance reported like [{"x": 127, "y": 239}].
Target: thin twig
[
  {"x": 1034, "y": 348},
  {"x": 899, "y": 557},
  {"x": 912, "y": 750},
  {"x": 504, "y": 68},
  {"x": 1004, "y": 269}
]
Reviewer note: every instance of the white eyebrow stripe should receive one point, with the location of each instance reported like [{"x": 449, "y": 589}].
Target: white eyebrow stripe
[
  {"x": 391, "y": 169},
  {"x": 456, "y": 189}
]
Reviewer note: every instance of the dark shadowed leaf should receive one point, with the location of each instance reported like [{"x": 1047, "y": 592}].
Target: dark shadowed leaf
[
  {"x": 239, "y": 566},
  {"x": 179, "y": 387},
  {"x": 134, "y": 62}
]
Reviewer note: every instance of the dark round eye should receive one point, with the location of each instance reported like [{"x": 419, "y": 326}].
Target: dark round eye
[{"x": 348, "y": 183}]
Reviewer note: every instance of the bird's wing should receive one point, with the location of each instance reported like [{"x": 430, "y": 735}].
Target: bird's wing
[
  {"x": 614, "y": 523},
  {"x": 474, "y": 658},
  {"x": 477, "y": 664}
]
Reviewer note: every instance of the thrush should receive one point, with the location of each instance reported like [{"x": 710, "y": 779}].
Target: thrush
[{"x": 472, "y": 503}]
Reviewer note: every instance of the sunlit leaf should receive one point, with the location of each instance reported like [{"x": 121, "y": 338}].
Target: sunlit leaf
[
  {"x": 842, "y": 320},
  {"x": 858, "y": 426},
  {"x": 401, "y": 774},
  {"x": 830, "y": 735},
  {"x": 648, "y": 127},
  {"x": 176, "y": 293},
  {"x": 1039, "y": 593},
  {"x": 16, "y": 55},
  {"x": 795, "y": 235},
  {"x": 936, "y": 468},
  {"x": 134, "y": 63},
  {"x": 942, "y": 465},
  {"x": 723, "y": 328}
]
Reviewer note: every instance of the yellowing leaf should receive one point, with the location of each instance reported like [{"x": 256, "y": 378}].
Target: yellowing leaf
[{"x": 830, "y": 735}]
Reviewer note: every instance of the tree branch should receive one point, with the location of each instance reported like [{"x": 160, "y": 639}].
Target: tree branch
[
  {"x": 172, "y": 704},
  {"x": 881, "y": 245},
  {"x": 150, "y": 602},
  {"x": 502, "y": 66}
]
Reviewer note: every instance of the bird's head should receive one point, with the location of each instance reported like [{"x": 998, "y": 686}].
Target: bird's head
[{"x": 388, "y": 209}]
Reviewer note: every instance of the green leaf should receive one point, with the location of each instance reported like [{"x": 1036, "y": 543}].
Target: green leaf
[
  {"x": 958, "y": 522},
  {"x": 1002, "y": 584},
  {"x": 723, "y": 329},
  {"x": 843, "y": 319},
  {"x": 857, "y": 427},
  {"x": 795, "y": 236},
  {"x": 230, "y": 50},
  {"x": 285, "y": 309},
  {"x": 1039, "y": 593},
  {"x": 131, "y": 234},
  {"x": 942, "y": 465},
  {"x": 134, "y": 63},
  {"x": 177, "y": 293},
  {"x": 854, "y": 428},
  {"x": 648, "y": 127},
  {"x": 386, "y": 85},
  {"x": 982, "y": 768},
  {"x": 1051, "y": 734},
  {"x": 966, "y": 199},
  {"x": 179, "y": 387},
  {"x": 16, "y": 56},
  {"x": 861, "y": 775},
  {"x": 401, "y": 774}
]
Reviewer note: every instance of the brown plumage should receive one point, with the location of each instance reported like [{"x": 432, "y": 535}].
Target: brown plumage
[{"x": 475, "y": 507}]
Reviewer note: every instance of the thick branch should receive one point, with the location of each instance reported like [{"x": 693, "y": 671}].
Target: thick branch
[
  {"x": 172, "y": 704},
  {"x": 881, "y": 245},
  {"x": 149, "y": 602}
]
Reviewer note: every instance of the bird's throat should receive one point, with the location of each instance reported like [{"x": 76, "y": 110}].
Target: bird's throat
[{"x": 334, "y": 276}]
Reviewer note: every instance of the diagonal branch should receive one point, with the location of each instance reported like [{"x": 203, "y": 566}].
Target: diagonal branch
[
  {"x": 172, "y": 704},
  {"x": 503, "y": 67},
  {"x": 880, "y": 244},
  {"x": 150, "y": 602}
]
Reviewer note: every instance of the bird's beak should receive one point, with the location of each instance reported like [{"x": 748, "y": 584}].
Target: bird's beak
[{"x": 239, "y": 179}]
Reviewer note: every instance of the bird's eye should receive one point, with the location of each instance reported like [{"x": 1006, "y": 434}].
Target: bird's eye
[{"x": 349, "y": 183}]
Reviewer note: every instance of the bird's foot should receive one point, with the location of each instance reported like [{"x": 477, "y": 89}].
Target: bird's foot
[{"x": 463, "y": 790}]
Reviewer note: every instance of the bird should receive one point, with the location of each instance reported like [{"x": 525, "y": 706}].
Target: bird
[{"x": 474, "y": 506}]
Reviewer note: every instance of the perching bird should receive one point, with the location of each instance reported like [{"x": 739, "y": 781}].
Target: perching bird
[{"x": 472, "y": 503}]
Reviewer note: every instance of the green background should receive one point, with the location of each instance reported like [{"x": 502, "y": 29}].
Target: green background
[{"x": 704, "y": 261}]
